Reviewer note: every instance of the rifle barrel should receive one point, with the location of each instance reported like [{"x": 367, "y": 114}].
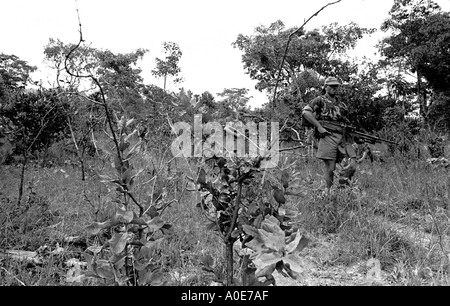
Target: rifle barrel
[{"x": 352, "y": 130}]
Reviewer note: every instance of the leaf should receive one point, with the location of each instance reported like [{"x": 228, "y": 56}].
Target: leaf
[
  {"x": 104, "y": 269},
  {"x": 201, "y": 179},
  {"x": 121, "y": 280},
  {"x": 105, "y": 178},
  {"x": 285, "y": 179},
  {"x": 207, "y": 260},
  {"x": 118, "y": 260},
  {"x": 257, "y": 245},
  {"x": 265, "y": 259},
  {"x": 271, "y": 221},
  {"x": 152, "y": 212},
  {"x": 138, "y": 221},
  {"x": 250, "y": 230},
  {"x": 236, "y": 233},
  {"x": 253, "y": 209},
  {"x": 280, "y": 266},
  {"x": 144, "y": 256},
  {"x": 298, "y": 244},
  {"x": 271, "y": 234},
  {"x": 192, "y": 186},
  {"x": 153, "y": 279},
  {"x": 155, "y": 224},
  {"x": 288, "y": 213},
  {"x": 266, "y": 272},
  {"x": 103, "y": 147},
  {"x": 123, "y": 146},
  {"x": 296, "y": 263},
  {"x": 131, "y": 151},
  {"x": 212, "y": 226},
  {"x": 127, "y": 176},
  {"x": 258, "y": 221},
  {"x": 278, "y": 195},
  {"x": 118, "y": 242},
  {"x": 167, "y": 229},
  {"x": 124, "y": 216},
  {"x": 96, "y": 227}
]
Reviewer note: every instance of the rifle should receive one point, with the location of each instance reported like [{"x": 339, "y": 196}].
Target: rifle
[{"x": 350, "y": 130}]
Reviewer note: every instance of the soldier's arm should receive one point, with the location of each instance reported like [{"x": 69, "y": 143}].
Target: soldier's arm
[{"x": 309, "y": 116}]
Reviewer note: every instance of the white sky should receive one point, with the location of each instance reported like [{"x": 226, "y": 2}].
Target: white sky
[{"x": 204, "y": 30}]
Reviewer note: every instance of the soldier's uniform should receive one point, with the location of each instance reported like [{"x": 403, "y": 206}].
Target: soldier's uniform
[{"x": 335, "y": 146}]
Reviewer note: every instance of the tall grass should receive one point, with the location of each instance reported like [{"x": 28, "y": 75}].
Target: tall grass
[{"x": 409, "y": 194}]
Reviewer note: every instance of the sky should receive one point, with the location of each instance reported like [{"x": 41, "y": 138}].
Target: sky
[{"x": 203, "y": 29}]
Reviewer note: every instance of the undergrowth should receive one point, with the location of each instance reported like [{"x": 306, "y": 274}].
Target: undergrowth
[{"x": 368, "y": 220}]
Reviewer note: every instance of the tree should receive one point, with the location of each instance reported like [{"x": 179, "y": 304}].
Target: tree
[
  {"x": 14, "y": 71},
  {"x": 420, "y": 39},
  {"x": 82, "y": 61},
  {"x": 33, "y": 120},
  {"x": 311, "y": 55},
  {"x": 235, "y": 100},
  {"x": 169, "y": 66},
  {"x": 121, "y": 80},
  {"x": 118, "y": 73},
  {"x": 14, "y": 75}
]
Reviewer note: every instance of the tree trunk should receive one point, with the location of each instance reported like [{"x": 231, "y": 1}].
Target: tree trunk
[
  {"x": 422, "y": 96},
  {"x": 83, "y": 170},
  {"x": 229, "y": 262},
  {"x": 22, "y": 178}
]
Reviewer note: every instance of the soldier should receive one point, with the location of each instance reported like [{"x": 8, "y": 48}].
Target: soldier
[{"x": 332, "y": 146}]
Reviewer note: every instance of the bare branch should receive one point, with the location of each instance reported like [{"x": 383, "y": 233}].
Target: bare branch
[
  {"x": 95, "y": 80},
  {"x": 291, "y": 149},
  {"x": 287, "y": 46}
]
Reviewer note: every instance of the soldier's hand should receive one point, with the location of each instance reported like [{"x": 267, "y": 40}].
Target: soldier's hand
[{"x": 323, "y": 132}]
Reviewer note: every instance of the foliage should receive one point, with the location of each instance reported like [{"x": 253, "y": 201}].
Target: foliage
[
  {"x": 439, "y": 112},
  {"x": 121, "y": 81},
  {"x": 311, "y": 55},
  {"x": 129, "y": 253},
  {"x": 273, "y": 250},
  {"x": 235, "y": 98},
  {"x": 420, "y": 39},
  {"x": 117, "y": 73},
  {"x": 366, "y": 107},
  {"x": 233, "y": 202},
  {"x": 14, "y": 73},
  {"x": 34, "y": 119},
  {"x": 83, "y": 60},
  {"x": 169, "y": 66}
]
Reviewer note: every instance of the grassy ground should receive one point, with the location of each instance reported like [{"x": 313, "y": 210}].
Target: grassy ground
[{"x": 397, "y": 212}]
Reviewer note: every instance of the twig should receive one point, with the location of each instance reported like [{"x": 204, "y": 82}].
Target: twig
[
  {"x": 293, "y": 148},
  {"x": 18, "y": 280},
  {"x": 94, "y": 79},
  {"x": 236, "y": 208},
  {"x": 141, "y": 208},
  {"x": 287, "y": 46}
]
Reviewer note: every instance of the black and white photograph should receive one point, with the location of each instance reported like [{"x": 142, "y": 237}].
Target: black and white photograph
[{"x": 229, "y": 150}]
